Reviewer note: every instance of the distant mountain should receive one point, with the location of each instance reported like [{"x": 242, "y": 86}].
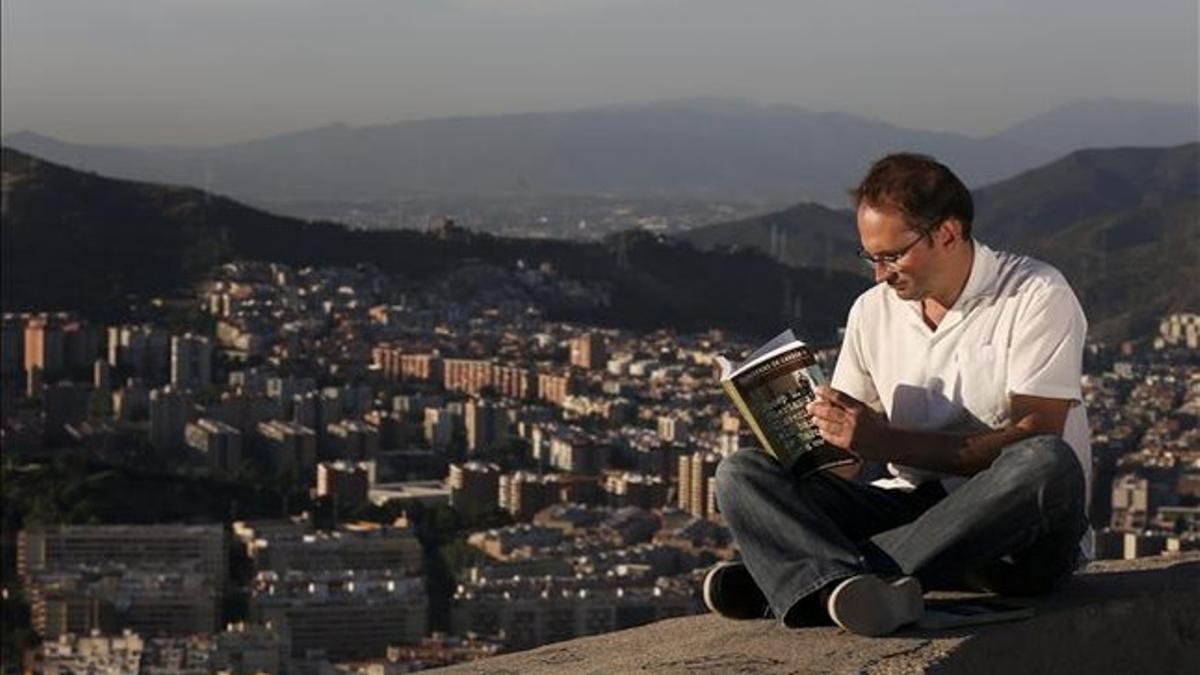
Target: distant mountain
[
  {"x": 804, "y": 235},
  {"x": 1105, "y": 123},
  {"x": 709, "y": 148},
  {"x": 75, "y": 240},
  {"x": 1122, "y": 224},
  {"x": 720, "y": 149}
]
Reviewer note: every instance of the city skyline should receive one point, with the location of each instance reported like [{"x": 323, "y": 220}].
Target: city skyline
[{"x": 134, "y": 72}]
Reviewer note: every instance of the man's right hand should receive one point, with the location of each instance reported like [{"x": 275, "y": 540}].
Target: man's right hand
[{"x": 849, "y": 424}]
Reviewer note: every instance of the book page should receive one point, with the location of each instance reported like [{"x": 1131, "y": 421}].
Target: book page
[{"x": 785, "y": 338}]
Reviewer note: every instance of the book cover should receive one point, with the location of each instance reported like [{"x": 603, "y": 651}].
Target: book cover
[{"x": 771, "y": 389}]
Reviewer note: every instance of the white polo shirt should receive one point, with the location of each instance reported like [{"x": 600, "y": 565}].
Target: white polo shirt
[{"x": 1017, "y": 328}]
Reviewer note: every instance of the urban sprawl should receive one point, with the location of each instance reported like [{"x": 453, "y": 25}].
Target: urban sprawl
[{"x": 445, "y": 473}]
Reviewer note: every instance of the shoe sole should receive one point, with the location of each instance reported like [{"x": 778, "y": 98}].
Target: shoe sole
[
  {"x": 868, "y": 605},
  {"x": 710, "y": 602},
  {"x": 707, "y": 586}
]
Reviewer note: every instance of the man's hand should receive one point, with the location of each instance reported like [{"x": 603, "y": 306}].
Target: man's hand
[{"x": 849, "y": 424}]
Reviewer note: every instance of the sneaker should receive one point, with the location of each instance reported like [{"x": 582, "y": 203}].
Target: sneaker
[
  {"x": 870, "y": 605},
  {"x": 730, "y": 591}
]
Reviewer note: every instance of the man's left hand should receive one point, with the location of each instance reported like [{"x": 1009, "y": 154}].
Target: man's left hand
[{"x": 849, "y": 424}]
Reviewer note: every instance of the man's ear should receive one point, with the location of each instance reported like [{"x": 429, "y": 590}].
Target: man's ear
[{"x": 950, "y": 232}]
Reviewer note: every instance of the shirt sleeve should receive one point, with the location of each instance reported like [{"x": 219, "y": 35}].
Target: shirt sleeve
[
  {"x": 851, "y": 375},
  {"x": 1046, "y": 357}
]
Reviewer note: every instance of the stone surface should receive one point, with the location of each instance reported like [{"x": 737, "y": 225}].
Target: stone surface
[{"x": 1140, "y": 616}]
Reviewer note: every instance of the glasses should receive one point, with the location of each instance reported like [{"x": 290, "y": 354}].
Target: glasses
[{"x": 890, "y": 260}]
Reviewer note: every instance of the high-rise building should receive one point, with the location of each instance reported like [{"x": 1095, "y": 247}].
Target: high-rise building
[
  {"x": 672, "y": 429},
  {"x": 285, "y": 545},
  {"x": 131, "y": 402},
  {"x": 316, "y": 409},
  {"x": 44, "y": 345},
  {"x": 81, "y": 652},
  {"x": 635, "y": 489},
  {"x": 243, "y": 410},
  {"x": 695, "y": 472},
  {"x": 347, "y": 616},
  {"x": 1134, "y": 501},
  {"x": 346, "y": 482},
  {"x": 523, "y": 494},
  {"x": 351, "y": 440},
  {"x": 291, "y": 447},
  {"x": 486, "y": 425},
  {"x": 533, "y": 612},
  {"x": 439, "y": 427},
  {"x": 35, "y": 383},
  {"x": 683, "y": 495},
  {"x": 102, "y": 377},
  {"x": 81, "y": 343},
  {"x": 285, "y": 389},
  {"x": 474, "y": 487},
  {"x": 704, "y": 467},
  {"x": 142, "y": 351},
  {"x": 251, "y": 381},
  {"x": 220, "y": 443},
  {"x": 58, "y": 343},
  {"x": 395, "y": 430},
  {"x": 306, "y": 409},
  {"x": 198, "y": 548},
  {"x": 394, "y": 364},
  {"x": 170, "y": 411},
  {"x": 1180, "y": 329},
  {"x": 191, "y": 362},
  {"x": 554, "y": 387},
  {"x": 246, "y": 648},
  {"x": 12, "y": 346},
  {"x": 588, "y": 352},
  {"x": 157, "y": 601},
  {"x": 472, "y": 376},
  {"x": 574, "y": 451}
]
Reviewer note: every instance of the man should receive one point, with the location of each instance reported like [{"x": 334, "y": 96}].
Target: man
[{"x": 961, "y": 370}]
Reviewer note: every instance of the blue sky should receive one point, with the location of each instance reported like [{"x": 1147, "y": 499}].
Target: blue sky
[{"x": 222, "y": 70}]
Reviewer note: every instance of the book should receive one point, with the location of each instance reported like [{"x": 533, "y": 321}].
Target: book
[
  {"x": 945, "y": 614},
  {"x": 771, "y": 389}
]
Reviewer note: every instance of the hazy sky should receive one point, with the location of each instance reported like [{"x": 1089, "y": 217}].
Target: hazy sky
[{"x": 209, "y": 71}]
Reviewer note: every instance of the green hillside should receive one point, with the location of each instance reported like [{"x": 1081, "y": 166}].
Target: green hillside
[{"x": 79, "y": 241}]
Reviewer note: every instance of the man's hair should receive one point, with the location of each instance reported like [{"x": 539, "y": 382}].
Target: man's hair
[{"x": 922, "y": 189}]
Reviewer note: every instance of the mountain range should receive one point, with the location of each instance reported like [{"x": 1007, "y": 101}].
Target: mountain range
[
  {"x": 1123, "y": 224},
  {"x": 710, "y": 148},
  {"x": 76, "y": 240}
]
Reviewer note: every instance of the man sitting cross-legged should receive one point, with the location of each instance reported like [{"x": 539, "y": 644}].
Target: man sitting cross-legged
[{"x": 961, "y": 369}]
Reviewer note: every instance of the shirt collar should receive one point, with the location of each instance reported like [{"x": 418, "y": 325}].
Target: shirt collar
[{"x": 984, "y": 270}]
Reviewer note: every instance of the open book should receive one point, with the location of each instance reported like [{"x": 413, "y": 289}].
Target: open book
[{"x": 771, "y": 389}]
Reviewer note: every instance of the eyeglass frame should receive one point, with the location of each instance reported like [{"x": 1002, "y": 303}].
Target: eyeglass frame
[{"x": 892, "y": 259}]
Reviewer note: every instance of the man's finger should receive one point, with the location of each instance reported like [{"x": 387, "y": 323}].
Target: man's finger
[
  {"x": 822, "y": 411},
  {"x": 837, "y": 398},
  {"x": 832, "y": 435}
]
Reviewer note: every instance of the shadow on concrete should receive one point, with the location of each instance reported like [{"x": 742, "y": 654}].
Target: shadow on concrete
[{"x": 1134, "y": 621}]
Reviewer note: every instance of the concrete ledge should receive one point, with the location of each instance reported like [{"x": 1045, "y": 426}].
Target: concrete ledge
[{"x": 1139, "y": 616}]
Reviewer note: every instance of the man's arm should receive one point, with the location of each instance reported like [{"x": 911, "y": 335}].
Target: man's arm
[{"x": 849, "y": 424}]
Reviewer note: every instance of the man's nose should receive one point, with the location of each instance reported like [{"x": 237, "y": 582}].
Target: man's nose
[{"x": 882, "y": 272}]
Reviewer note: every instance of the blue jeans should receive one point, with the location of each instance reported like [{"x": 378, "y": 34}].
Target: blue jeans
[{"x": 1013, "y": 528}]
